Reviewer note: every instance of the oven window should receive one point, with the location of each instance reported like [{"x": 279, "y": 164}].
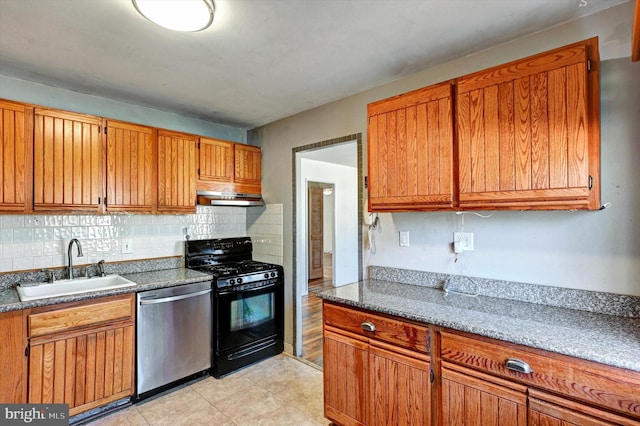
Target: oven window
[{"x": 252, "y": 311}]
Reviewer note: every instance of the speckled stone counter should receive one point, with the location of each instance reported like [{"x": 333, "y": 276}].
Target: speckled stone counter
[
  {"x": 608, "y": 339},
  {"x": 9, "y": 300}
]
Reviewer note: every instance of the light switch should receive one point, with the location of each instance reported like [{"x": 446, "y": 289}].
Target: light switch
[{"x": 127, "y": 245}]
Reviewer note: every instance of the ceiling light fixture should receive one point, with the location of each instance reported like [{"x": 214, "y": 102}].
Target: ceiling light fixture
[{"x": 177, "y": 15}]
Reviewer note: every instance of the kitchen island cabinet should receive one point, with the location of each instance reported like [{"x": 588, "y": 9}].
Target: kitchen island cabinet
[
  {"x": 16, "y": 145},
  {"x": 176, "y": 172},
  {"x": 377, "y": 369},
  {"x": 81, "y": 353}
]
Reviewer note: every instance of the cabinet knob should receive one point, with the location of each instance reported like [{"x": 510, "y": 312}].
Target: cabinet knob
[
  {"x": 368, "y": 326},
  {"x": 518, "y": 365}
]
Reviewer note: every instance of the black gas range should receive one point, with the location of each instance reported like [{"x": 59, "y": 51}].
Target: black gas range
[{"x": 248, "y": 301}]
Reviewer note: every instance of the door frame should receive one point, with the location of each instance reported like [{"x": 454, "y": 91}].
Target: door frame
[{"x": 297, "y": 308}]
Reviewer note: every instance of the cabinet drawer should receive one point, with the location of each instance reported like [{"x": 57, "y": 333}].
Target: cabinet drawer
[
  {"x": 396, "y": 332},
  {"x": 92, "y": 313},
  {"x": 614, "y": 388}
]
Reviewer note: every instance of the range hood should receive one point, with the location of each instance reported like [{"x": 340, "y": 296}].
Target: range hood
[{"x": 214, "y": 198}]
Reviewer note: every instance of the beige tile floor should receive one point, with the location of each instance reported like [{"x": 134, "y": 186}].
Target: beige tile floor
[{"x": 278, "y": 391}]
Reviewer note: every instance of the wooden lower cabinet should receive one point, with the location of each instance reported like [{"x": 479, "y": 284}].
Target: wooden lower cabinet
[
  {"x": 83, "y": 354},
  {"x": 368, "y": 381},
  {"x": 346, "y": 364},
  {"x": 471, "y": 398},
  {"x": 13, "y": 361}
]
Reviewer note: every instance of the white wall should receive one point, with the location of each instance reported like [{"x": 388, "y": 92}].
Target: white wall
[
  {"x": 345, "y": 180},
  {"x": 328, "y": 215},
  {"x": 588, "y": 250}
]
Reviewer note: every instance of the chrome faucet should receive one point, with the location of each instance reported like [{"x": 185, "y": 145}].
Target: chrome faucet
[
  {"x": 70, "y": 267},
  {"x": 100, "y": 266}
]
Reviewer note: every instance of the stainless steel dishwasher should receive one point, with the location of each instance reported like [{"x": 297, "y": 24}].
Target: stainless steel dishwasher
[{"x": 173, "y": 335}]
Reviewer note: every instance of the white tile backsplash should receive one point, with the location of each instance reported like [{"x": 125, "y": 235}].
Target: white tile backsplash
[{"x": 40, "y": 241}]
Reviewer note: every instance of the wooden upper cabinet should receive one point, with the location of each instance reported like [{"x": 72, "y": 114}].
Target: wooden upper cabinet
[
  {"x": 528, "y": 132},
  {"x": 410, "y": 151},
  {"x": 176, "y": 172},
  {"x": 248, "y": 168},
  {"x": 67, "y": 161},
  {"x": 215, "y": 160},
  {"x": 16, "y": 130},
  {"x": 130, "y": 159}
]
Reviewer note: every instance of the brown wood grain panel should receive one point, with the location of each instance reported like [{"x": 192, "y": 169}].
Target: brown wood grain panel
[
  {"x": 100, "y": 365},
  {"x": 422, "y": 145},
  {"x": 413, "y": 98},
  {"x": 540, "y": 63},
  {"x": 177, "y": 171},
  {"x": 445, "y": 146},
  {"x": 67, "y": 151},
  {"x": 635, "y": 34},
  {"x": 109, "y": 362},
  {"x": 492, "y": 151},
  {"x": 128, "y": 361},
  {"x": 372, "y": 159},
  {"x": 477, "y": 138},
  {"x": 401, "y": 149},
  {"x": 13, "y": 361},
  {"x": 522, "y": 122},
  {"x": 558, "y": 172},
  {"x": 539, "y": 132},
  {"x": 70, "y": 358},
  {"x": 81, "y": 370},
  {"x": 433, "y": 154},
  {"x": 392, "y": 154},
  {"x": 507, "y": 134},
  {"x": 578, "y": 166},
  {"x": 463, "y": 120},
  {"x": 59, "y": 372},
  {"x": 15, "y": 157},
  {"x": 118, "y": 359},
  {"x": 90, "y": 386},
  {"x": 412, "y": 152},
  {"x": 383, "y": 156}
]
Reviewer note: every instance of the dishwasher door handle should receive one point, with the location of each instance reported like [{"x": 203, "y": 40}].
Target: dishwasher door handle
[{"x": 173, "y": 298}]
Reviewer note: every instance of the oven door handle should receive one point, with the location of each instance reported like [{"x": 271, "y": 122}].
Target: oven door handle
[
  {"x": 225, "y": 292},
  {"x": 173, "y": 298}
]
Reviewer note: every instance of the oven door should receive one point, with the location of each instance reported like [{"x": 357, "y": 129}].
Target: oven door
[{"x": 248, "y": 316}]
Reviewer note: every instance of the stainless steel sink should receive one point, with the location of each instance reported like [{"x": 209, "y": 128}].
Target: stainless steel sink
[{"x": 67, "y": 287}]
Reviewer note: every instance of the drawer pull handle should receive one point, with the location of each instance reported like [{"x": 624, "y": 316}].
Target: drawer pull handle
[
  {"x": 368, "y": 326},
  {"x": 518, "y": 365}
]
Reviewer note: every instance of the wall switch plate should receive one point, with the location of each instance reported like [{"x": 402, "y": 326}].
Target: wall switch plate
[
  {"x": 462, "y": 241},
  {"x": 127, "y": 245},
  {"x": 404, "y": 238}
]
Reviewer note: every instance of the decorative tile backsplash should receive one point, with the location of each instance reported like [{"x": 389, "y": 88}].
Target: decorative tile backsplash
[{"x": 40, "y": 241}]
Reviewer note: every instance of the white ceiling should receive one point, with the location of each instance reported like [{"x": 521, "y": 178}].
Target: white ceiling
[{"x": 262, "y": 60}]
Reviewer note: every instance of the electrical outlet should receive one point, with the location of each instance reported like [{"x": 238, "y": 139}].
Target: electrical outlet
[
  {"x": 404, "y": 238},
  {"x": 127, "y": 245},
  {"x": 462, "y": 241}
]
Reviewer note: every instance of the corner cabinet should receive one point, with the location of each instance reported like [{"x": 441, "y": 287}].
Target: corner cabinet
[
  {"x": 81, "y": 353},
  {"x": 528, "y": 132},
  {"x": 16, "y": 144},
  {"x": 410, "y": 151},
  {"x": 67, "y": 161},
  {"x": 176, "y": 172},
  {"x": 377, "y": 370}
]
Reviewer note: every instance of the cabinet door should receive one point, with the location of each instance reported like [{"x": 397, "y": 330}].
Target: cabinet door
[
  {"x": 176, "y": 172},
  {"x": 130, "y": 167},
  {"x": 248, "y": 168},
  {"x": 410, "y": 151},
  {"x": 67, "y": 161},
  {"x": 472, "y": 398},
  {"x": 13, "y": 361},
  {"x": 528, "y": 133},
  {"x": 215, "y": 160},
  {"x": 85, "y": 370},
  {"x": 15, "y": 156},
  {"x": 345, "y": 379},
  {"x": 400, "y": 389}
]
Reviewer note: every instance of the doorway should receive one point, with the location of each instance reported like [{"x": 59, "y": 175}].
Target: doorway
[{"x": 335, "y": 165}]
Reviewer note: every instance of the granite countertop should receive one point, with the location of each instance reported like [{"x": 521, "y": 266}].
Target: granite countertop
[
  {"x": 9, "y": 300},
  {"x": 607, "y": 339}
]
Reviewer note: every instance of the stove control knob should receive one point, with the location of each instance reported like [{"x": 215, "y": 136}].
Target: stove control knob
[
  {"x": 232, "y": 281},
  {"x": 266, "y": 275},
  {"x": 273, "y": 274},
  {"x": 239, "y": 280}
]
